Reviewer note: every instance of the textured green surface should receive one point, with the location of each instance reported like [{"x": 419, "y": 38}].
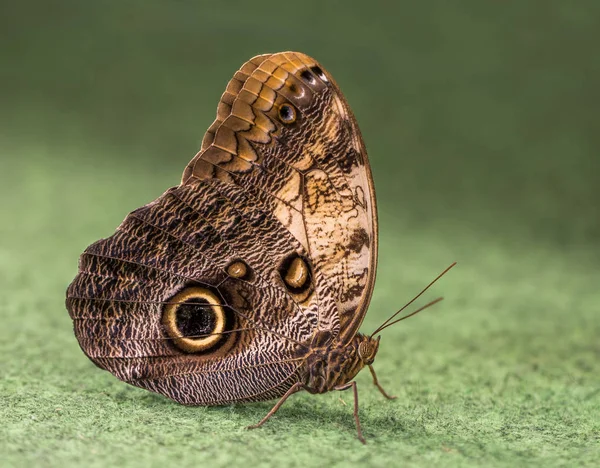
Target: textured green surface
[{"x": 482, "y": 130}]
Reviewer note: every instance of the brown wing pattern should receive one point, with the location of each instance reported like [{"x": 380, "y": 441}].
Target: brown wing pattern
[
  {"x": 313, "y": 174},
  {"x": 282, "y": 175},
  {"x": 179, "y": 240}
]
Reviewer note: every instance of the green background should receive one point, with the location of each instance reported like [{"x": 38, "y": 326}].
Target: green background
[{"x": 481, "y": 120}]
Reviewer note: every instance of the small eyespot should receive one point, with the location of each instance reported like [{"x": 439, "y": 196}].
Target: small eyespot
[
  {"x": 287, "y": 114},
  {"x": 308, "y": 77},
  {"x": 238, "y": 269},
  {"x": 320, "y": 73}
]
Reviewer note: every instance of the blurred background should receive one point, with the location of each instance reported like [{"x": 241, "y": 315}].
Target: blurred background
[
  {"x": 479, "y": 118},
  {"x": 481, "y": 123}
]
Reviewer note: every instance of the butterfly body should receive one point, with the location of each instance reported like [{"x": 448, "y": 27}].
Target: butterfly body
[
  {"x": 332, "y": 366},
  {"x": 249, "y": 280}
]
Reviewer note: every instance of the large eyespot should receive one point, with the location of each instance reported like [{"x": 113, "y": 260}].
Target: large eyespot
[
  {"x": 296, "y": 276},
  {"x": 287, "y": 114},
  {"x": 195, "y": 319}
]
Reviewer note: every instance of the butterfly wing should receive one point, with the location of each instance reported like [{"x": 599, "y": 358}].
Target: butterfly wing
[
  {"x": 270, "y": 237},
  {"x": 314, "y": 174}
]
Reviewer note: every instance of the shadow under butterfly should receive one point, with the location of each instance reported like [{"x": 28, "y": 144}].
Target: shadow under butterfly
[{"x": 248, "y": 281}]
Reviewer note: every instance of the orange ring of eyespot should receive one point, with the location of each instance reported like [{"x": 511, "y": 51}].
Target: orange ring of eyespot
[
  {"x": 169, "y": 320},
  {"x": 293, "y": 111}
]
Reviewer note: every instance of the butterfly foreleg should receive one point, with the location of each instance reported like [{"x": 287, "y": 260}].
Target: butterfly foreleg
[
  {"x": 293, "y": 389},
  {"x": 356, "y": 420},
  {"x": 376, "y": 383}
]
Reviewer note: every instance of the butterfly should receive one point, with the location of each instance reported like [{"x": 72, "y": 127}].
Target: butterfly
[{"x": 249, "y": 280}]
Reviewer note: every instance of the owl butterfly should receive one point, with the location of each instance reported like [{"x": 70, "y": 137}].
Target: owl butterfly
[{"x": 250, "y": 279}]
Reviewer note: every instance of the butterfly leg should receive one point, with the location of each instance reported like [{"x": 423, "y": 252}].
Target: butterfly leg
[
  {"x": 293, "y": 389},
  {"x": 356, "y": 420},
  {"x": 376, "y": 383}
]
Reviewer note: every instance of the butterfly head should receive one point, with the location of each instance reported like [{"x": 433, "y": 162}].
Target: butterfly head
[{"x": 367, "y": 349}]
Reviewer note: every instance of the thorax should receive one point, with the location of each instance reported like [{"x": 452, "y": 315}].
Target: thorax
[{"x": 329, "y": 364}]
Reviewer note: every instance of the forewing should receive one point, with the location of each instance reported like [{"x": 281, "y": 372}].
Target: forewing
[{"x": 313, "y": 174}]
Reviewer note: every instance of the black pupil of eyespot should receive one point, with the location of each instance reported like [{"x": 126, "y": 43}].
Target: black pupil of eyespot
[
  {"x": 286, "y": 113},
  {"x": 195, "y": 317}
]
